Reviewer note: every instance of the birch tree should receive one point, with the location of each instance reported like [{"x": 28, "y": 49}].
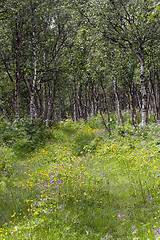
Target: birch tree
[{"x": 127, "y": 25}]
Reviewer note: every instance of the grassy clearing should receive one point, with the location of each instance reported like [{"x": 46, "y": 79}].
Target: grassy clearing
[{"x": 84, "y": 184}]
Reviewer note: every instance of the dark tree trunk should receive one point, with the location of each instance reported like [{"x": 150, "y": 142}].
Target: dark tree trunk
[
  {"x": 80, "y": 105},
  {"x": 32, "y": 97},
  {"x": 44, "y": 95},
  {"x": 119, "y": 113},
  {"x": 51, "y": 101},
  {"x": 154, "y": 95},
  {"x": 85, "y": 102},
  {"x": 75, "y": 101},
  {"x": 17, "y": 66},
  {"x": 144, "y": 94}
]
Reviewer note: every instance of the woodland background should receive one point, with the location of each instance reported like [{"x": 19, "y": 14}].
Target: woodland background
[{"x": 75, "y": 58}]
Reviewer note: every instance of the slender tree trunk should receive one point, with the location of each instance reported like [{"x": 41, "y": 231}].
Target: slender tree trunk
[
  {"x": 144, "y": 94},
  {"x": 151, "y": 106},
  {"x": 70, "y": 106},
  {"x": 44, "y": 114},
  {"x": 154, "y": 95},
  {"x": 38, "y": 105},
  {"x": 17, "y": 66},
  {"x": 75, "y": 100},
  {"x": 51, "y": 101},
  {"x": 80, "y": 99},
  {"x": 85, "y": 102},
  {"x": 131, "y": 103},
  {"x": 100, "y": 111},
  {"x": 17, "y": 96},
  {"x": 158, "y": 93},
  {"x": 105, "y": 101},
  {"x": 60, "y": 110},
  {"x": 139, "y": 101},
  {"x": 93, "y": 98},
  {"x": 32, "y": 100},
  {"x": 119, "y": 113}
]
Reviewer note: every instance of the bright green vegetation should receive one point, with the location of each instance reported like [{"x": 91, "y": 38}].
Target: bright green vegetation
[{"x": 83, "y": 184}]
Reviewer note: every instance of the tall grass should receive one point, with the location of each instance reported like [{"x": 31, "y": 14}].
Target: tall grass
[{"x": 85, "y": 184}]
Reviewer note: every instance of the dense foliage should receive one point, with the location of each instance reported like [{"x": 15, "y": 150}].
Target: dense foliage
[
  {"x": 23, "y": 135},
  {"x": 75, "y": 58}
]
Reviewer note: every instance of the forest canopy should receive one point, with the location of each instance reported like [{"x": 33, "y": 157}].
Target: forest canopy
[{"x": 75, "y": 58}]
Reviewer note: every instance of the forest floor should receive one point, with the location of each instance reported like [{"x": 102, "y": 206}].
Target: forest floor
[{"x": 84, "y": 184}]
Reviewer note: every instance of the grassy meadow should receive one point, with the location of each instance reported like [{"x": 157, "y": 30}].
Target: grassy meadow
[{"x": 83, "y": 184}]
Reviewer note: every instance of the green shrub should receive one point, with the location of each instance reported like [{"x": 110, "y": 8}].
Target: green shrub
[{"x": 23, "y": 135}]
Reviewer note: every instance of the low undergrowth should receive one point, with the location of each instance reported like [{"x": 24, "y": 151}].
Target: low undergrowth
[
  {"x": 22, "y": 135},
  {"x": 84, "y": 184}
]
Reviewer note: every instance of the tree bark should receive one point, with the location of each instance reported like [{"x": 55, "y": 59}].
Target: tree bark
[
  {"x": 144, "y": 95},
  {"x": 85, "y": 102},
  {"x": 94, "y": 102},
  {"x": 154, "y": 95},
  {"x": 158, "y": 93},
  {"x": 100, "y": 111},
  {"x": 51, "y": 101},
  {"x": 17, "y": 66},
  {"x": 119, "y": 113},
  {"x": 131, "y": 102},
  {"x": 80, "y": 105},
  {"x": 44, "y": 114},
  {"x": 32, "y": 102},
  {"x": 75, "y": 100}
]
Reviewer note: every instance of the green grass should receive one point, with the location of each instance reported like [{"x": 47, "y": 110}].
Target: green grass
[{"x": 84, "y": 184}]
